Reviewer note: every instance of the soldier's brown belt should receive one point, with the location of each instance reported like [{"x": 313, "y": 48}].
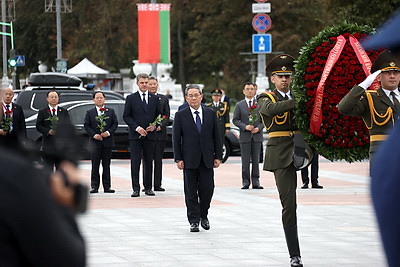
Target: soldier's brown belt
[
  {"x": 377, "y": 137},
  {"x": 282, "y": 133}
]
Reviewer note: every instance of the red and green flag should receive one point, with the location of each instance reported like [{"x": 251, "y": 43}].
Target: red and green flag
[{"x": 153, "y": 33}]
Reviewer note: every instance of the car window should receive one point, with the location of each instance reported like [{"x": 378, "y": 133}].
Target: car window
[
  {"x": 77, "y": 114},
  {"x": 112, "y": 96},
  {"x": 74, "y": 97},
  {"x": 38, "y": 100},
  {"x": 119, "y": 111}
]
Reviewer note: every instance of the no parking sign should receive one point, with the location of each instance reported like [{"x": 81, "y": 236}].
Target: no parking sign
[{"x": 261, "y": 22}]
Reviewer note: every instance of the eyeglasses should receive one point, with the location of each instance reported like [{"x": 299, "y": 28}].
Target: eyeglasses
[{"x": 194, "y": 96}]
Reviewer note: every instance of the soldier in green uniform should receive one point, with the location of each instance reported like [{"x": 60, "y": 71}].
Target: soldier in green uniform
[
  {"x": 276, "y": 110},
  {"x": 381, "y": 108},
  {"x": 222, "y": 111}
]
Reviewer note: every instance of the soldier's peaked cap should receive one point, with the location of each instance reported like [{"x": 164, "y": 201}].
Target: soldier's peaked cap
[
  {"x": 216, "y": 92},
  {"x": 281, "y": 65},
  {"x": 386, "y": 61}
]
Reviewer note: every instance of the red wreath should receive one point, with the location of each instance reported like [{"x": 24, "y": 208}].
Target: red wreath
[{"x": 338, "y": 136}]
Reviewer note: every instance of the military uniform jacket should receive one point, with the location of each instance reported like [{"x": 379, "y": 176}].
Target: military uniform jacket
[
  {"x": 378, "y": 113},
  {"x": 277, "y": 115},
  {"x": 222, "y": 112}
]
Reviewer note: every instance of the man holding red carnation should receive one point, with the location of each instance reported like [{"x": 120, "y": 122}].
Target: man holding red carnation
[
  {"x": 12, "y": 125},
  {"x": 160, "y": 132},
  {"x": 100, "y": 124},
  {"x": 381, "y": 108},
  {"x": 276, "y": 109},
  {"x": 247, "y": 119}
]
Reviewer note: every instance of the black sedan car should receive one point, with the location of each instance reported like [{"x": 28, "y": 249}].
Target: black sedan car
[{"x": 77, "y": 112}]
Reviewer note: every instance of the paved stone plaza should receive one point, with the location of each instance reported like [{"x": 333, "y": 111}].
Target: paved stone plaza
[{"x": 337, "y": 226}]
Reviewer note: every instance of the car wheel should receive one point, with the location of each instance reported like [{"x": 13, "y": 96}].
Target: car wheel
[{"x": 226, "y": 151}]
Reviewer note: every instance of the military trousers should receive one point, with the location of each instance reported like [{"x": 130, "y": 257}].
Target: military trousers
[{"x": 286, "y": 182}]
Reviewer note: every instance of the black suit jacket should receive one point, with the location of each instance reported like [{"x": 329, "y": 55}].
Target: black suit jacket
[
  {"x": 43, "y": 126},
  {"x": 91, "y": 128},
  {"x": 164, "y": 108},
  {"x": 137, "y": 114},
  {"x": 192, "y": 146},
  {"x": 18, "y": 133}
]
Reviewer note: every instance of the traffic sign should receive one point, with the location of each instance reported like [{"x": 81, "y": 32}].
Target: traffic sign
[
  {"x": 20, "y": 61},
  {"x": 261, "y": 22},
  {"x": 62, "y": 65},
  {"x": 261, "y": 7},
  {"x": 262, "y": 43}
]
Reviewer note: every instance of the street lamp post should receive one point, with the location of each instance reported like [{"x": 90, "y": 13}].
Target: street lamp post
[
  {"x": 3, "y": 18},
  {"x": 58, "y": 22}
]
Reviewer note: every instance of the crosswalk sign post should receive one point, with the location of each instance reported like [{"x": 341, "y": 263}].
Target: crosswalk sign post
[
  {"x": 262, "y": 43},
  {"x": 20, "y": 61}
]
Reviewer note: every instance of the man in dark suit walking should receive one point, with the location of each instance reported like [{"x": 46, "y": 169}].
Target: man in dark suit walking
[
  {"x": 247, "y": 119},
  {"x": 47, "y": 120},
  {"x": 100, "y": 124},
  {"x": 13, "y": 128},
  {"x": 197, "y": 150},
  {"x": 161, "y": 133},
  {"x": 141, "y": 110}
]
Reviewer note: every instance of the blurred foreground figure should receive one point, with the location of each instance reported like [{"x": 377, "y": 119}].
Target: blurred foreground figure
[{"x": 37, "y": 225}]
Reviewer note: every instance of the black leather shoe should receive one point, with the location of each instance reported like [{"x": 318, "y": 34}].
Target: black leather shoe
[
  {"x": 149, "y": 192},
  {"x": 109, "y": 190},
  {"x": 159, "y": 189},
  {"x": 245, "y": 187},
  {"x": 194, "y": 227},
  {"x": 305, "y": 186},
  {"x": 258, "y": 187},
  {"x": 295, "y": 261},
  {"x": 317, "y": 186},
  {"x": 94, "y": 191},
  {"x": 135, "y": 193},
  {"x": 205, "y": 223}
]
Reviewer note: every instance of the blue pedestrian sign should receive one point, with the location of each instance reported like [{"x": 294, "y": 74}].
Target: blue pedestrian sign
[
  {"x": 262, "y": 43},
  {"x": 20, "y": 60}
]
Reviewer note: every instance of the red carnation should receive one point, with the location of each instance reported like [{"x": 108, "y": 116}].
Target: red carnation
[{"x": 102, "y": 109}]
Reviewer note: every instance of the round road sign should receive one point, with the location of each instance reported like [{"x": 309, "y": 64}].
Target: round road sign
[{"x": 261, "y": 22}]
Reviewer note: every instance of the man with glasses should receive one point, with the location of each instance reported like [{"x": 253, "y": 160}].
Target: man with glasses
[
  {"x": 197, "y": 150},
  {"x": 246, "y": 117}
]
